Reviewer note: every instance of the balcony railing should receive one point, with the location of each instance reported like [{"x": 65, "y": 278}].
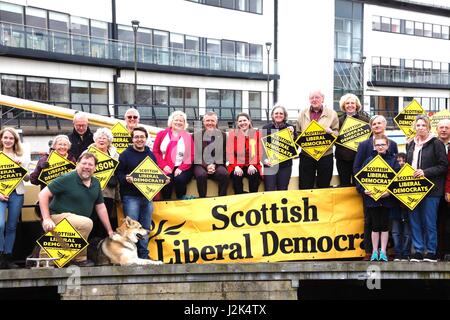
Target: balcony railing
[
  {"x": 20, "y": 36},
  {"x": 397, "y": 75}
]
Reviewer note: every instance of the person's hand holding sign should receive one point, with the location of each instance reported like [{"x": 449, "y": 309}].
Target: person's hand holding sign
[
  {"x": 167, "y": 170},
  {"x": 48, "y": 224},
  {"x": 385, "y": 194},
  {"x": 129, "y": 179},
  {"x": 4, "y": 198},
  {"x": 418, "y": 173},
  {"x": 367, "y": 192}
]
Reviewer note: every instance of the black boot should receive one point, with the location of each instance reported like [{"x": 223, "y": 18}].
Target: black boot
[
  {"x": 9, "y": 263},
  {"x": 2, "y": 261}
]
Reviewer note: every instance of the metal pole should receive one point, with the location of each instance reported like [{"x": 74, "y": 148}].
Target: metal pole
[
  {"x": 135, "y": 25},
  {"x": 268, "y": 47}
]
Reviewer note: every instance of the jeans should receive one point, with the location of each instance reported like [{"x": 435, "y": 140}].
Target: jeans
[
  {"x": 8, "y": 228},
  {"x": 401, "y": 234},
  {"x": 139, "y": 209},
  {"x": 423, "y": 221}
]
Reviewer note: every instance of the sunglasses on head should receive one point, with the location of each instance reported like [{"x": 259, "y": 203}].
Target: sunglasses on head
[{"x": 132, "y": 117}]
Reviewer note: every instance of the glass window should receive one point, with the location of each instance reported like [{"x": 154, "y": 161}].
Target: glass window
[
  {"x": 386, "y": 106},
  {"x": 37, "y": 36},
  {"x": 176, "y": 96},
  {"x": 192, "y": 47},
  {"x": 144, "y": 40},
  {"x": 213, "y": 2},
  {"x": 436, "y": 31},
  {"x": 212, "y": 99},
  {"x": 11, "y": 13},
  {"x": 99, "y": 98},
  {"x": 177, "y": 49},
  {"x": 144, "y": 95},
  {"x": 126, "y": 94},
  {"x": 228, "y": 54},
  {"x": 99, "y": 39},
  {"x": 12, "y": 35},
  {"x": 254, "y": 104},
  {"x": 213, "y": 49},
  {"x": 376, "y": 61},
  {"x": 80, "y": 36},
  {"x": 13, "y": 86},
  {"x": 255, "y": 6},
  {"x": 385, "y": 24},
  {"x": 242, "y": 53},
  {"x": 418, "y": 28},
  {"x": 161, "y": 44},
  {"x": 191, "y": 102},
  {"x": 256, "y": 64},
  {"x": 36, "y": 89},
  {"x": 445, "y": 32},
  {"x": 242, "y": 5},
  {"x": 229, "y": 4},
  {"x": 376, "y": 23},
  {"x": 409, "y": 27},
  {"x": 126, "y": 43},
  {"x": 79, "y": 95},
  {"x": 418, "y": 64},
  {"x": 427, "y": 29},
  {"x": 409, "y": 63},
  {"x": 59, "y": 32},
  {"x": 395, "y": 62},
  {"x": 161, "y": 96},
  {"x": 191, "y": 97},
  {"x": 395, "y": 25},
  {"x": 59, "y": 92},
  {"x": 343, "y": 9}
]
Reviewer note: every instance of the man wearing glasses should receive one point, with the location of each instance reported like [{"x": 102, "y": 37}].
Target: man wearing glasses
[
  {"x": 131, "y": 118},
  {"x": 81, "y": 136},
  {"x": 135, "y": 204}
]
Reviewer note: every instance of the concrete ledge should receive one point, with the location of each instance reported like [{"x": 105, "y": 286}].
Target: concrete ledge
[{"x": 214, "y": 281}]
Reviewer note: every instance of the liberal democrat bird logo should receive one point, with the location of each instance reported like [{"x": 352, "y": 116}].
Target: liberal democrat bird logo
[
  {"x": 4, "y": 186},
  {"x": 411, "y": 200}
]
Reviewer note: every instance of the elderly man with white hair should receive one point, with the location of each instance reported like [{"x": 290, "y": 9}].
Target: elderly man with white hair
[{"x": 81, "y": 137}]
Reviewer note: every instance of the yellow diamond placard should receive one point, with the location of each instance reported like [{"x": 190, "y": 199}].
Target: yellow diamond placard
[
  {"x": 64, "y": 242},
  {"x": 280, "y": 146},
  {"x": 409, "y": 190},
  {"x": 121, "y": 137},
  {"x": 11, "y": 174},
  {"x": 315, "y": 141},
  {"x": 407, "y": 116},
  {"x": 376, "y": 177},
  {"x": 438, "y": 116},
  {"x": 353, "y": 132},
  {"x": 57, "y": 166},
  {"x": 105, "y": 168},
  {"x": 148, "y": 178}
]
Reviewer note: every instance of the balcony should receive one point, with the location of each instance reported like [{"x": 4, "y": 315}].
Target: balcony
[
  {"x": 410, "y": 78},
  {"x": 44, "y": 44}
]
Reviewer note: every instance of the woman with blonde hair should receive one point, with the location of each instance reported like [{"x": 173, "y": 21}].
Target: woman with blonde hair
[
  {"x": 61, "y": 145},
  {"x": 174, "y": 152},
  {"x": 11, "y": 146},
  {"x": 351, "y": 107}
]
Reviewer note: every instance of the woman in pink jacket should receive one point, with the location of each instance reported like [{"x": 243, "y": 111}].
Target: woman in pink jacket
[{"x": 174, "y": 151}]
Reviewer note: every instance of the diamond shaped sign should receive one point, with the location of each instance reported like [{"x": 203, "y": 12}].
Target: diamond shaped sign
[
  {"x": 121, "y": 137},
  {"x": 409, "y": 190},
  {"x": 57, "y": 166},
  {"x": 405, "y": 118},
  {"x": 105, "y": 168},
  {"x": 64, "y": 242},
  {"x": 376, "y": 177},
  {"x": 148, "y": 178},
  {"x": 315, "y": 141},
  {"x": 11, "y": 174}
]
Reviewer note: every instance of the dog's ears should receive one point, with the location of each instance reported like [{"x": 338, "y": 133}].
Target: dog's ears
[{"x": 127, "y": 220}]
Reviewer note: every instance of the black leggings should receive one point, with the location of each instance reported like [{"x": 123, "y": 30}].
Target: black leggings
[{"x": 380, "y": 218}]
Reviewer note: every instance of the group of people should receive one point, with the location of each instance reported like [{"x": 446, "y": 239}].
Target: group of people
[{"x": 231, "y": 157}]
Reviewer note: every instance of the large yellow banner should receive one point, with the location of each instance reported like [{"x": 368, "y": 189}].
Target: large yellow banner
[{"x": 259, "y": 227}]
